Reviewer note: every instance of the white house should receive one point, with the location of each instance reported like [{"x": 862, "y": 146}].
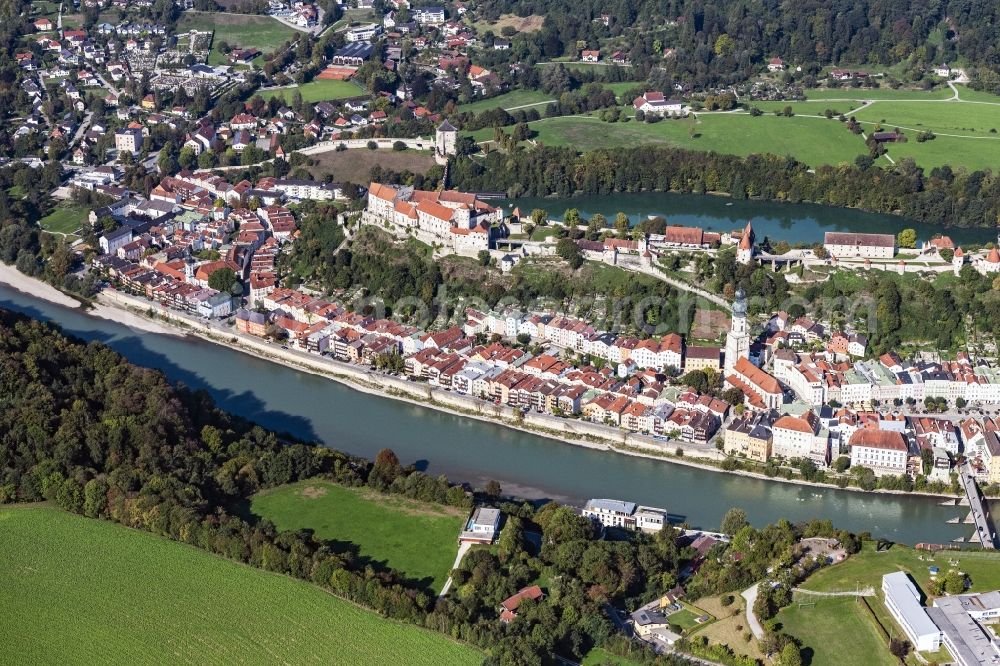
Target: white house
[
  {"x": 883, "y": 451},
  {"x": 903, "y": 601}
]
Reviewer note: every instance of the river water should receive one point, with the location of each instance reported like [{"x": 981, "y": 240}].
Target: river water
[
  {"x": 312, "y": 407},
  {"x": 795, "y": 223}
]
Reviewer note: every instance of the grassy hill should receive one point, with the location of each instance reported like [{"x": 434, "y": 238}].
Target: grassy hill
[
  {"x": 418, "y": 539},
  {"x": 81, "y": 591}
]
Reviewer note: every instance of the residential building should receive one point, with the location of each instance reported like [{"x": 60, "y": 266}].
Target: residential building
[
  {"x": 128, "y": 140},
  {"x": 749, "y": 436},
  {"x": 482, "y": 527},
  {"x": 627, "y": 515},
  {"x": 509, "y": 606}
]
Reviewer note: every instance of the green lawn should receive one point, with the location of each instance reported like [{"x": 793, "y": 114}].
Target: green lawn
[
  {"x": 835, "y": 631},
  {"x": 967, "y": 94},
  {"x": 509, "y": 100},
  {"x": 813, "y": 141},
  {"x": 814, "y": 108},
  {"x": 238, "y": 30},
  {"x": 318, "y": 91},
  {"x": 420, "y": 540},
  {"x": 868, "y": 567},
  {"x": 601, "y": 657},
  {"x": 81, "y": 591},
  {"x": 942, "y": 92},
  {"x": 65, "y": 219}
]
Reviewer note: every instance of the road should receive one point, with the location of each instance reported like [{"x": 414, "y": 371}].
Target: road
[
  {"x": 750, "y": 594},
  {"x": 81, "y": 130},
  {"x": 463, "y": 548}
]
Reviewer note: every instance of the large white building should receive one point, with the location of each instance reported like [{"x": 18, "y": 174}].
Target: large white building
[
  {"x": 903, "y": 601},
  {"x": 128, "y": 140},
  {"x": 798, "y": 437},
  {"x": 960, "y": 620},
  {"x": 846, "y": 245},
  {"x": 457, "y": 220},
  {"x": 627, "y": 515},
  {"x": 883, "y": 451}
]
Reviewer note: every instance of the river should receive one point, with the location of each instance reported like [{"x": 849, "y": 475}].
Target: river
[
  {"x": 795, "y": 223},
  {"x": 312, "y": 407}
]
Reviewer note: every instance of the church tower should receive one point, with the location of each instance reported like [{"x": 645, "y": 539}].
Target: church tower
[
  {"x": 738, "y": 338},
  {"x": 744, "y": 252}
]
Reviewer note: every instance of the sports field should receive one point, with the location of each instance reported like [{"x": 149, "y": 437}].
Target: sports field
[
  {"x": 65, "y": 219},
  {"x": 835, "y": 631},
  {"x": 318, "y": 90},
  {"x": 82, "y": 591},
  {"x": 238, "y": 30},
  {"x": 418, "y": 539}
]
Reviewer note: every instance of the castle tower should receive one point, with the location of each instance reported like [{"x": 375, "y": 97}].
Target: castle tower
[
  {"x": 744, "y": 253},
  {"x": 958, "y": 260},
  {"x": 738, "y": 338},
  {"x": 445, "y": 141}
]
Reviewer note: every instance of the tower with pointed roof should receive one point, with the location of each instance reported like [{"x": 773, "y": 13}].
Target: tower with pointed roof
[
  {"x": 445, "y": 140},
  {"x": 958, "y": 260},
  {"x": 738, "y": 338},
  {"x": 744, "y": 252}
]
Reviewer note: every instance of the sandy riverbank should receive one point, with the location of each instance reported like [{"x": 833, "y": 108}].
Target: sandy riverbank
[
  {"x": 29, "y": 285},
  {"x": 18, "y": 281}
]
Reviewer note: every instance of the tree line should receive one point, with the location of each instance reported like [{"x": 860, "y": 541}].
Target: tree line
[{"x": 947, "y": 196}]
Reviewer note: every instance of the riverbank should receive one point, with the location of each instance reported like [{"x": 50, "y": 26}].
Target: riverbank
[
  {"x": 568, "y": 431},
  {"x": 17, "y": 280}
]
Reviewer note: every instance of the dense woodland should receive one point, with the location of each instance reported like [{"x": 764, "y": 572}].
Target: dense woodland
[
  {"x": 953, "y": 197},
  {"x": 81, "y": 427},
  {"x": 723, "y": 43}
]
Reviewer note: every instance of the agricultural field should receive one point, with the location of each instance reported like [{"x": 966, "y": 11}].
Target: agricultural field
[
  {"x": 238, "y": 30},
  {"x": 319, "y": 90},
  {"x": 355, "y": 165},
  {"x": 418, "y": 539},
  {"x": 511, "y": 100},
  {"x": 65, "y": 220},
  {"x": 82, "y": 591}
]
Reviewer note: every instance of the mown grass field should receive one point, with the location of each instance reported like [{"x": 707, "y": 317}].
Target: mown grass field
[
  {"x": 418, "y": 539},
  {"x": 81, "y": 591},
  {"x": 967, "y": 129},
  {"x": 868, "y": 567},
  {"x": 730, "y": 629},
  {"x": 512, "y": 99},
  {"x": 835, "y": 631},
  {"x": 601, "y": 657},
  {"x": 355, "y": 165},
  {"x": 810, "y": 140},
  {"x": 238, "y": 30},
  {"x": 66, "y": 218},
  {"x": 322, "y": 90}
]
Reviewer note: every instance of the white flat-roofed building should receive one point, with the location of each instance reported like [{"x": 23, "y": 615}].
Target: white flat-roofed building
[
  {"x": 363, "y": 33},
  {"x": 628, "y": 515},
  {"x": 482, "y": 527},
  {"x": 902, "y": 598},
  {"x": 960, "y": 619}
]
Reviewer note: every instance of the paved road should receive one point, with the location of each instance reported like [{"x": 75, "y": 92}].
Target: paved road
[
  {"x": 463, "y": 548},
  {"x": 750, "y": 594}
]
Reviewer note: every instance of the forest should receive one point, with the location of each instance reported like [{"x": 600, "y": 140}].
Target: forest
[
  {"x": 945, "y": 196},
  {"x": 724, "y": 43},
  {"x": 84, "y": 429}
]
